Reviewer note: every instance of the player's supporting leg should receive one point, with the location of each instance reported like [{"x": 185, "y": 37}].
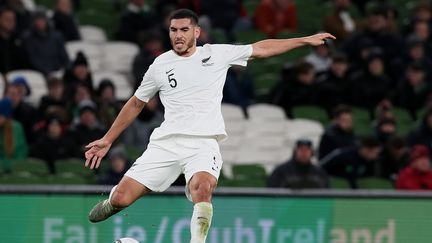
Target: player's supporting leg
[
  {"x": 201, "y": 187},
  {"x": 124, "y": 194}
]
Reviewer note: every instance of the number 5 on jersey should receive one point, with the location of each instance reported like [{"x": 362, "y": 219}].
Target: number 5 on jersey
[{"x": 172, "y": 81}]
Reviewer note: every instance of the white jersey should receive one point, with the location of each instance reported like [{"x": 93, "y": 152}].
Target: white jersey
[{"x": 190, "y": 88}]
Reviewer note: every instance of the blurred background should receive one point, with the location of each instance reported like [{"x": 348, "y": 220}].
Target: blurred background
[{"x": 351, "y": 118}]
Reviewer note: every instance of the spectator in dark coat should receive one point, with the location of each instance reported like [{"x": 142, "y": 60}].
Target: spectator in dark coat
[
  {"x": 138, "y": 19},
  {"x": 418, "y": 175},
  {"x": 299, "y": 90},
  {"x": 108, "y": 105},
  {"x": 370, "y": 87},
  {"x": 422, "y": 134},
  {"x": 78, "y": 74},
  {"x": 394, "y": 157},
  {"x": 299, "y": 172},
  {"x": 23, "y": 15},
  {"x": 44, "y": 47},
  {"x": 414, "y": 90},
  {"x": 88, "y": 127},
  {"x": 384, "y": 129},
  {"x": 53, "y": 144},
  {"x": 54, "y": 102},
  {"x": 355, "y": 162},
  {"x": 377, "y": 31},
  {"x": 339, "y": 134},
  {"x": 333, "y": 86},
  {"x": 23, "y": 112},
  {"x": 64, "y": 20},
  {"x": 238, "y": 87},
  {"x": 11, "y": 56},
  {"x": 119, "y": 165}
]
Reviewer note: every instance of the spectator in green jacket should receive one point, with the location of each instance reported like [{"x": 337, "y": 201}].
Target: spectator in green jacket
[{"x": 12, "y": 140}]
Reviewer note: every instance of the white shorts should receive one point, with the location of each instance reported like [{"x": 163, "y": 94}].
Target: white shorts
[{"x": 166, "y": 158}]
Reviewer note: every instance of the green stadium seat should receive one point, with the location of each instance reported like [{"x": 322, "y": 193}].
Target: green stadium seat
[
  {"x": 339, "y": 183},
  {"x": 65, "y": 179},
  {"x": 72, "y": 167},
  {"x": 248, "y": 176},
  {"x": 362, "y": 123},
  {"x": 375, "y": 183},
  {"x": 30, "y": 166},
  {"x": 311, "y": 112},
  {"x": 404, "y": 121}
]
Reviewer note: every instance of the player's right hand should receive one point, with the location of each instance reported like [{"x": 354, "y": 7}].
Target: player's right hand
[{"x": 96, "y": 151}]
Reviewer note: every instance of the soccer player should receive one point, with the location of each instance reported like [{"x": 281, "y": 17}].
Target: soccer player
[{"x": 189, "y": 80}]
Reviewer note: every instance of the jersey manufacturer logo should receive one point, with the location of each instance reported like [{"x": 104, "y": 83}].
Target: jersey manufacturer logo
[{"x": 205, "y": 62}]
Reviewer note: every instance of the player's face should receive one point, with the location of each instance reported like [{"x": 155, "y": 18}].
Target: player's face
[{"x": 183, "y": 35}]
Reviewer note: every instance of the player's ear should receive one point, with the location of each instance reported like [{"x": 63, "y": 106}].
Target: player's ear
[{"x": 197, "y": 32}]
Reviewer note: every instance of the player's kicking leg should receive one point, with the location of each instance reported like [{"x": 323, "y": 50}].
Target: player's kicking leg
[
  {"x": 201, "y": 187},
  {"x": 124, "y": 194}
]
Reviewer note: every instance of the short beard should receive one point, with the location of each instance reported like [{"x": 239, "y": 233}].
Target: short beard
[{"x": 189, "y": 45}]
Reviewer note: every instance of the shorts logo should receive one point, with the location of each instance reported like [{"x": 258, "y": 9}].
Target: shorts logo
[
  {"x": 215, "y": 167},
  {"x": 205, "y": 63}
]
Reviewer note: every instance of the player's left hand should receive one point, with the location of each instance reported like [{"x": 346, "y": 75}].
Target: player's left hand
[{"x": 318, "y": 39}]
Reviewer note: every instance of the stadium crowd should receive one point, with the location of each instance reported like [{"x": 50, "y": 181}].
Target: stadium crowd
[{"x": 375, "y": 64}]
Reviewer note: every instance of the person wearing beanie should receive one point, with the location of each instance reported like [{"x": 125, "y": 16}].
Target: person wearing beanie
[
  {"x": 78, "y": 74},
  {"x": 108, "y": 105},
  {"x": 12, "y": 140},
  {"x": 418, "y": 175},
  {"x": 299, "y": 172}
]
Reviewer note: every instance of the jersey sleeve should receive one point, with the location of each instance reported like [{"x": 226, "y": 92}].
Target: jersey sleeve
[
  {"x": 148, "y": 87},
  {"x": 236, "y": 54}
]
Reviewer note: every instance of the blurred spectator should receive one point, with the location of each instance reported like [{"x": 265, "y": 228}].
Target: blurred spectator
[
  {"x": 64, "y": 20},
  {"x": 355, "y": 162},
  {"x": 333, "y": 86},
  {"x": 53, "y": 144},
  {"x": 415, "y": 52},
  {"x": 300, "y": 90},
  {"x": 54, "y": 103},
  {"x": 422, "y": 134},
  {"x": 108, "y": 107},
  {"x": 238, "y": 89},
  {"x": 378, "y": 34},
  {"x": 88, "y": 127},
  {"x": 414, "y": 90},
  {"x": 78, "y": 73},
  {"x": 22, "y": 15},
  {"x": 82, "y": 94},
  {"x": 421, "y": 31},
  {"x": 384, "y": 129},
  {"x": 421, "y": 12},
  {"x": 22, "y": 112},
  {"x": 340, "y": 132},
  {"x": 394, "y": 157},
  {"x": 320, "y": 58},
  {"x": 228, "y": 15},
  {"x": 10, "y": 51},
  {"x": 418, "y": 175},
  {"x": 44, "y": 47},
  {"x": 119, "y": 164},
  {"x": 372, "y": 83},
  {"x": 138, "y": 133},
  {"x": 299, "y": 172},
  {"x": 340, "y": 22},
  {"x": 275, "y": 16},
  {"x": 12, "y": 140},
  {"x": 137, "y": 19},
  {"x": 151, "y": 47}
]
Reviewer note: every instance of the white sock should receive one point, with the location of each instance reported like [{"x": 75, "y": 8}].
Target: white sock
[
  {"x": 201, "y": 221},
  {"x": 111, "y": 193}
]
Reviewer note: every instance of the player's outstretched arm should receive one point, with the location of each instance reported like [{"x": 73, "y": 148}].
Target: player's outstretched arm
[
  {"x": 273, "y": 47},
  {"x": 99, "y": 148}
]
